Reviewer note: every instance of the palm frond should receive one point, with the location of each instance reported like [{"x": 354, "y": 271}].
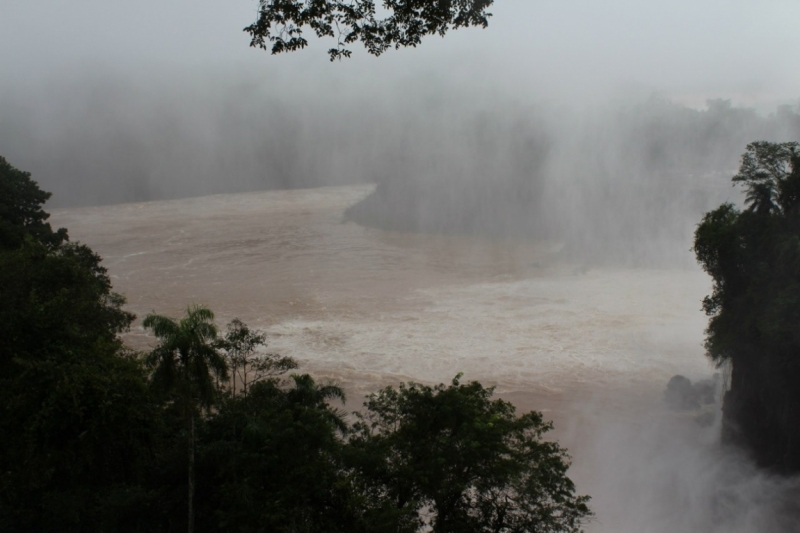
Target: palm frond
[
  {"x": 761, "y": 197},
  {"x": 163, "y": 326},
  {"x": 186, "y": 359}
]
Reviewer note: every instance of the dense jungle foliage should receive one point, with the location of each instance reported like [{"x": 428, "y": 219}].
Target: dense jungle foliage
[
  {"x": 753, "y": 256},
  {"x": 205, "y": 433}
]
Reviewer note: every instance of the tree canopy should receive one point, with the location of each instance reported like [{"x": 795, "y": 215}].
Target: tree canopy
[
  {"x": 186, "y": 359},
  {"x": 248, "y": 366},
  {"x": 397, "y": 23},
  {"x": 21, "y": 211},
  {"x": 75, "y": 414},
  {"x": 453, "y": 459},
  {"x": 272, "y": 461},
  {"x": 753, "y": 257},
  {"x": 94, "y": 436}
]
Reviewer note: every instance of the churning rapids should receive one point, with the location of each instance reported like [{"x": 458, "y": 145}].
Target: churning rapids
[{"x": 592, "y": 348}]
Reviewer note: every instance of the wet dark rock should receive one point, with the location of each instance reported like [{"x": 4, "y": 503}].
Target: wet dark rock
[
  {"x": 761, "y": 412},
  {"x": 680, "y": 395},
  {"x": 706, "y": 390},
  {"x": 683, "y": 395}
]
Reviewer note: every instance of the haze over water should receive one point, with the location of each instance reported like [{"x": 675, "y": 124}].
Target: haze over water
[
  {"x": 572, "y": 126},
  {"x": 344, "y": 297},
  {"x": 591, "y": 347}
]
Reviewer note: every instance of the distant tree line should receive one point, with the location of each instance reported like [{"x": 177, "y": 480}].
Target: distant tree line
[
  {"x": 624, "y": 187},
  {"x": 206, "y": 433},
  {"x": 450, "y": 164}
]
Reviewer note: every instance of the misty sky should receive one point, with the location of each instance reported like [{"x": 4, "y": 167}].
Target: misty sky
[{"x": 687, "y": 50}]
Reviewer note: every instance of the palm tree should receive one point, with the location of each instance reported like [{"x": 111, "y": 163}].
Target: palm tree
[
  {"x": 186, "y": 362},
  {"x": 761, "y": 197},
  {"x": 308, "y": 393}
]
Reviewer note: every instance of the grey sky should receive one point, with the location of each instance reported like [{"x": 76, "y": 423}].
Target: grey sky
[{"x": 688, "y": 50}]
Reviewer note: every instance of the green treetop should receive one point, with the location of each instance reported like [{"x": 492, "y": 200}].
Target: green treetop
[
  {"x": 21, "y": 211},
  {"x": 462, "y": 462},
  {"x": 753, "y": 258}
]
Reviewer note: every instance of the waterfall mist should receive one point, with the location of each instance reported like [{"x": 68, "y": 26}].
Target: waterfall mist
[
  {"x": 536, "y": 187},
  {"x": 624, "y": 181}
]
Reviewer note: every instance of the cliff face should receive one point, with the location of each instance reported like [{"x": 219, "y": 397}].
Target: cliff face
[
  {"x": 753, "y": 257},
  {"x": 502, "y": 207},
  {"x": 761, "y": 412},
  {"x": 621, "y": 187}
]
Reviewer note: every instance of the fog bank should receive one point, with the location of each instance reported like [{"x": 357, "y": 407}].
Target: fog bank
[{"x": 627, "y": 179}]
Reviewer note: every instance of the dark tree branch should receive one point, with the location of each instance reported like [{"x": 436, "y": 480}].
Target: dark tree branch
[{"x": 280, "y": 23}]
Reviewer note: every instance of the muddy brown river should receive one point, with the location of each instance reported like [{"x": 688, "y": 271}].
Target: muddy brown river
[{"x": 591, "y": 347}]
